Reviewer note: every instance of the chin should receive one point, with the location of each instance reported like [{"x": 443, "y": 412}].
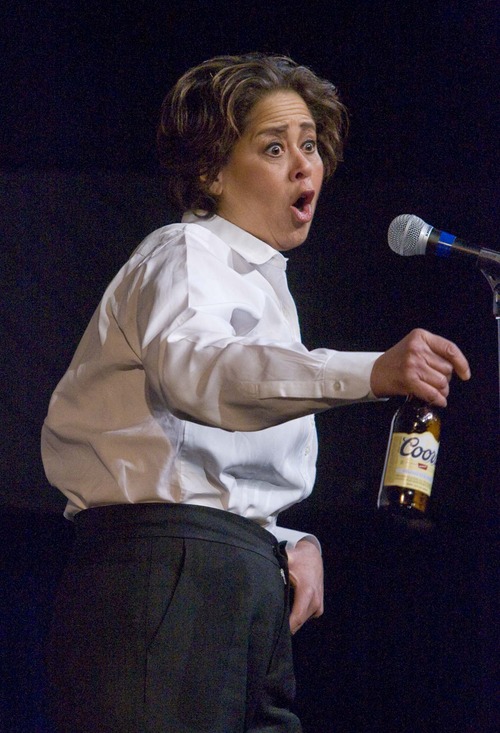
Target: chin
[
  {"x": 287, "y": 246},
  {"x": 292, "y": 239},
  {"x": 297, "y": 239}
]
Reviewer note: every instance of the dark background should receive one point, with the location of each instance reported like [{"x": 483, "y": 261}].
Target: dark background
[{"x": 408, "y": 641}]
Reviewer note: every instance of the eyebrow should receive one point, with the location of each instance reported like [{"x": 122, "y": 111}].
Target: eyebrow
[{"x": 283, "y": 128}]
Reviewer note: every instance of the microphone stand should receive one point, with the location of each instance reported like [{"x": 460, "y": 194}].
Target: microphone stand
[{"x": 491, "y": 271}]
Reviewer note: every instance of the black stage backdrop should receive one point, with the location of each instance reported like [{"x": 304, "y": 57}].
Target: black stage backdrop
[{"x": 408, "y": 640}]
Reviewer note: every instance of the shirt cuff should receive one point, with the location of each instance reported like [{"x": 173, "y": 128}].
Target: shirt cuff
[
  {"x": 292, "y": 536},
  {"x": 347, "y": 374}
]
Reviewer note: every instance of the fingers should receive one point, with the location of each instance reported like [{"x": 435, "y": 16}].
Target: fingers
[
  {"x": 421, "y": 364},
  {"x": 431, "y": 380},
  {"x": 307, "y": 604},
  {"x": 430, "y": 394},
  {"x": 436, "y": 359},
  {"x": 306, "y": 576},
  {"x": 449, "y": 353},
  {"x": 302, "y": 611}
]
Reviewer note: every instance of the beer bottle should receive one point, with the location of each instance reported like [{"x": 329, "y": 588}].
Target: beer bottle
[{"x": 411, "y": 457}]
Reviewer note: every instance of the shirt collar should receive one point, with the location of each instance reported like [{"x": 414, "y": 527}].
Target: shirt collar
[{"x": 254, "y": 250}]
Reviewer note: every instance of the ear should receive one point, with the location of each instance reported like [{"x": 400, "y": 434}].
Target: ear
[{"x": 215, "y": 187}]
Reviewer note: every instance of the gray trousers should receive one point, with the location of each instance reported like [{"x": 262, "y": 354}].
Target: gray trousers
[{"x": 171, "y": 619}]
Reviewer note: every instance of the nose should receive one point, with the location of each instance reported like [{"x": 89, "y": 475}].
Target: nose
[{"x": 301, "y": 165}]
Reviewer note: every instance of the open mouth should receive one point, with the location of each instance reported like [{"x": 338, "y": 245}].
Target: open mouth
[
  {"x": 304, "y": 200},
  {"x": 302, "y": 208}
]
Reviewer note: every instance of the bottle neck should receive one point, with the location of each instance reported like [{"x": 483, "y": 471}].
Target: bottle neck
[{"x": 421, "y": 410}]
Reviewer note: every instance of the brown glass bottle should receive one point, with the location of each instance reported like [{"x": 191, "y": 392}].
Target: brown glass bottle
[{"x": 411, "y": 457}]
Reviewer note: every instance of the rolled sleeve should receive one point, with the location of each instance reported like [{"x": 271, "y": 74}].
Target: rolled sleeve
[{"x": 293, "y": 536}]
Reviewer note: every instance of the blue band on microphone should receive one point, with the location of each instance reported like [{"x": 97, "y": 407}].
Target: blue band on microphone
[{"x": 443, "y": 248}]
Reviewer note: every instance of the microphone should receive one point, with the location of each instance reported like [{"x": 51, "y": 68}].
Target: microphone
[{"x": 410, "y": 235}]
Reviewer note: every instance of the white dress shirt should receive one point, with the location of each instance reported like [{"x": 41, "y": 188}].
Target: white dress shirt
[{"x": 191, "y": 384}]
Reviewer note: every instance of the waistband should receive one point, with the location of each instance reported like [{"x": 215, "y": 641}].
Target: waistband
[{"x": 176, "y": 520}]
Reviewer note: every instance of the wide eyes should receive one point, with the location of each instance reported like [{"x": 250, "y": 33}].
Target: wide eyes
[
  {"x": 309, "y": 146},
  {"x": 276, "y": 149}
]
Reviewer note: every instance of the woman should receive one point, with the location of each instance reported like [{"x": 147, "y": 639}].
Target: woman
[{"x": 184, "y": 424}]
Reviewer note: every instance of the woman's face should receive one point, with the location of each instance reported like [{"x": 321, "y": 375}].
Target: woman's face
[{"x": 271, "y": 183}]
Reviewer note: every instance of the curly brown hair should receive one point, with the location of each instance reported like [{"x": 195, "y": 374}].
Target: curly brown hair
[{"x": 206, "y": 111}]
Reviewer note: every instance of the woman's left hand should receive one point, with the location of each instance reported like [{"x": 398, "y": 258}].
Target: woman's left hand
[{"x": 305, "y": 567}]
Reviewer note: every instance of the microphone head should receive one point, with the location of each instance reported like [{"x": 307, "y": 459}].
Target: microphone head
[{"x": 404, "y": 235}]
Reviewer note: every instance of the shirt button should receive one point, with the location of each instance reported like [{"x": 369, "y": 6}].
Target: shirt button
[{"x": 337, "y": 386}]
